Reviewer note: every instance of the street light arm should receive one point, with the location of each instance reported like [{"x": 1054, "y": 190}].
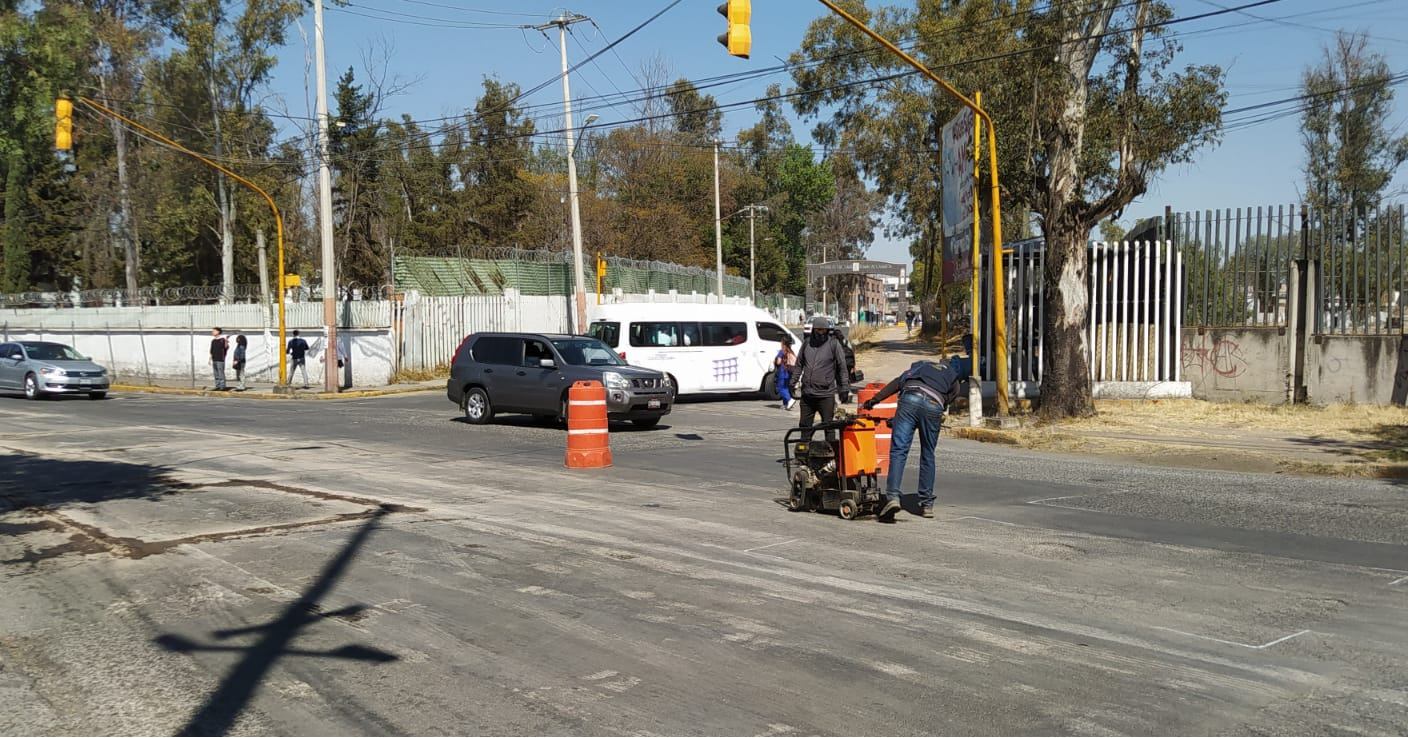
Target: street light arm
[{"x": 273, "y": 207}]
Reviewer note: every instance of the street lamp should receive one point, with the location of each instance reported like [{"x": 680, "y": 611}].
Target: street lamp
[{"x": 581, "y": 131}]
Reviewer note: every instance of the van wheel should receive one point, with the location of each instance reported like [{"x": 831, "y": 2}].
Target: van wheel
[
  {"x": 476, "y": 406},
  {"x": 769, "y": 388}
]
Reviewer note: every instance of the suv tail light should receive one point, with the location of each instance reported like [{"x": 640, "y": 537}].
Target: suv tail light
[{"x": 456, "y": 358}]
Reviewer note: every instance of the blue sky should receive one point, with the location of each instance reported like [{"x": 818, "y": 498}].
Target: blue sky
[{"x": 445, "y": 47}]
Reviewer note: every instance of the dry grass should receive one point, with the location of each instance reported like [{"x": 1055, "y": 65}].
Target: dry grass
[
  {"x": 405, "y": 376},
  {"x": 861, "y": 334},
  {"x": 1365, "y": 421}
]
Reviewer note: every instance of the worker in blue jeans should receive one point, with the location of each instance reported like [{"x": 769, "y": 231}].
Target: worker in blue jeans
[{"x": 926, "y": 390}]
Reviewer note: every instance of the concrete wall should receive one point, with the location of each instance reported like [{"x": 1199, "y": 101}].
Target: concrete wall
[
  {"x": 1237, "y": 364},
  {"x": 169, "y": 356},
  {"x": 1351, "y": 369}
]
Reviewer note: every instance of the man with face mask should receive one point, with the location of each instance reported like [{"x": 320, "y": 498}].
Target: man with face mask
[{"x": 820, "y": 376}]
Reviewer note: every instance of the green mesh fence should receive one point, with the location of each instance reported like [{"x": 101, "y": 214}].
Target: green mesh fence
[{"x": 550, "y": 273}]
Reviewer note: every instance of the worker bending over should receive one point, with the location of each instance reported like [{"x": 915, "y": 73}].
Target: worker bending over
[{"x": 926, "y": 390}]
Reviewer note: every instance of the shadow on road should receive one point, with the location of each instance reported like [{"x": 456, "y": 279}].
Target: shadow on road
[
  {"x": 40, "y": 482},
  {"x": 239, "y": 686}
]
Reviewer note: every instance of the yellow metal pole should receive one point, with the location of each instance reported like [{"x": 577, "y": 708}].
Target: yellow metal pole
[
  {"x": 278, "y": 217},
  {"x": 999, "y": 301}
]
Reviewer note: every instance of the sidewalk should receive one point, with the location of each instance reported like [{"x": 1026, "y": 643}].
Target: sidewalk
[
  {"x": 265, "y": 390},
  {"x": 1348, "y": 440}
]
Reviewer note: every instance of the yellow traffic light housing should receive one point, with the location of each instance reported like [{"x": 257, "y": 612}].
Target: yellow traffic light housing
[
  {"x": 739, "y": 38},
  {"x": 63, "y": 124}
]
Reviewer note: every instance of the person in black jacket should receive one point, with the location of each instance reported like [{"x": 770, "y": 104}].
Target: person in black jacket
[
  {"x": 219, "y": 347},
  {"x": 926, "y": 390},
  {"x": 820, "y": 377}
]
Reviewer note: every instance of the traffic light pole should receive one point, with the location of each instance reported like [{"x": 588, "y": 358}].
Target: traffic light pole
[
  {"x": 999, "y": 299},
  {"x": 278, "y": 217}
]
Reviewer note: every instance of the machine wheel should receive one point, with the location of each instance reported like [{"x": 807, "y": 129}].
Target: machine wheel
[
  {"x": 848, "y": 510},
  {"x": 477, "y": 409},
  {"x": 797, "y": 501}
]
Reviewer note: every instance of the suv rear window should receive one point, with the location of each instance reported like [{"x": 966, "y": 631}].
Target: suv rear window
[
  {"x": 607, "y": 332},
  {"x": 498, "y": 350}
]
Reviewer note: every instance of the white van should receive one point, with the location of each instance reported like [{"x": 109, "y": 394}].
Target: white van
[{"x": 705, "y": 349}]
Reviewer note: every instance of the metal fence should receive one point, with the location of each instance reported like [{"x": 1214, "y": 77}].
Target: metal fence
[
  {"x": 1239, "y": 266},
  {"x": 1136, "y": 293}
]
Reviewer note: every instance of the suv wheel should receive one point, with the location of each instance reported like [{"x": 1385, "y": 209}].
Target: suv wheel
[{"x": 475, "y": 404}]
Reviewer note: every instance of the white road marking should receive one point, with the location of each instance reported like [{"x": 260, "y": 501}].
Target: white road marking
[
  {"x": 1282, "y": 639},
  {"x": 1398, "y": 581},
  {"x": 770, "y": 545},
  {"x": 988, "y": 520}
]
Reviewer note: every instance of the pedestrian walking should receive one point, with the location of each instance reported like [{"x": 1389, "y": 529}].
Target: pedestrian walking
[
  {"x": 241, "y": 352},
  {"x": 786, "y": 363},
  {"x": 908, "y": 320},
  {"x": 927, "y": 389},
  {"x": 297, "y": 350},
  {"x": 219, "y": 347},
  {"x": 820, "y": 377}
]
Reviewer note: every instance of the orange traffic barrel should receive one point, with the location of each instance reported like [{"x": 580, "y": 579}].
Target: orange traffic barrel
[
  {"x": 884, "y": 409},
  {"x": 882, "y": 445},
  {"x": 588, "y": 439}
]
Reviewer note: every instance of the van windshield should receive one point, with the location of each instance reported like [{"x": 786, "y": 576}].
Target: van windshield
[{"x": 586, "y": 352}]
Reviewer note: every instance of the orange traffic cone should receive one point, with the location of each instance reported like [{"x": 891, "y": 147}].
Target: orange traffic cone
[{"x": 588, "y": 439}]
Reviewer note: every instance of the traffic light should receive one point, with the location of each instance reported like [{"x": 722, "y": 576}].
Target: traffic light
[
  {"x": 739, "y": 38},
  {"x": 63, "y": 124}
]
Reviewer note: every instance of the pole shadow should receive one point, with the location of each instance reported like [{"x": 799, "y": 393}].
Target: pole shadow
[{"x": 239, "y": 686}]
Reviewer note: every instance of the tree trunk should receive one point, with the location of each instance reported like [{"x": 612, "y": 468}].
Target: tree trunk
[
  {"x": 1065, "y": 374},
  {"x": 127, "y": 230},
  {"x": 224, "y": 198}
]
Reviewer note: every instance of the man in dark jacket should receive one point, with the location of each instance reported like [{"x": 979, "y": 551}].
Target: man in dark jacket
[
  {"x": 926, "y": 390},
  {"x": 219, "y": 347},
  {"x": 820, "y": 376}
]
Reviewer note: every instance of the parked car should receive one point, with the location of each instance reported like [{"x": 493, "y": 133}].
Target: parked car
[
  {"x": 494, "y": 373},
  {"x": 41, "y": 368},
  {"x": 704, "y": 349}
]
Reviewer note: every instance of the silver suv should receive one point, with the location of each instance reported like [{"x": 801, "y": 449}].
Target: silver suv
[{"x": 531, "y": 373}]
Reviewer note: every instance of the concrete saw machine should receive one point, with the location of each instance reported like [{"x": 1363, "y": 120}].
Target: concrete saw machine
[{"x": 841, "y": 476}]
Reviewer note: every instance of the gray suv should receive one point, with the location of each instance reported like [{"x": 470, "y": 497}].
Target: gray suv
[{"x": 531, "y": 373}]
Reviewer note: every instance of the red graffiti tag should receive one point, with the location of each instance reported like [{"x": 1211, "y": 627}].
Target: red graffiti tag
[{"x": 1224, "y": 358}]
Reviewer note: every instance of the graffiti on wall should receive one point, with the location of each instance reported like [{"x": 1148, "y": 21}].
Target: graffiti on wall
[{"x": 1221, "y": 357}]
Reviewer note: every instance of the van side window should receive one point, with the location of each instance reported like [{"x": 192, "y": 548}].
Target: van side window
[
  {"x": 655, "y": 334},
  {"x": 690, "y": 332},
  {"x": 771, "y": 332},
  {"x": 724, "y": 334},
  {"x": 608, "y": 333},
  {"x": 502, "y": 350}
]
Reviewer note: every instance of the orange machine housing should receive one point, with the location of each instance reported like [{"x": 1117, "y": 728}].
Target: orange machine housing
[{"x": 858, "y": 448}]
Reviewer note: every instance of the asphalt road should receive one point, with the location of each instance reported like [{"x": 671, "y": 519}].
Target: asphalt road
[{"x": 377, "y": 566}]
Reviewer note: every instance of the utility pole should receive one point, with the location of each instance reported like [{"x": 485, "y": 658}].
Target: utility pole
[
  {"x": 579, "y": 285},
  {"x": 752, "y": 255},
  {"x": 330, "y": 378},
  {"x": 718, "y": 227}
]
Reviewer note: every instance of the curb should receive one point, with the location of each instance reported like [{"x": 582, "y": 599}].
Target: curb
[
  {"x": 261, "y": 395},
  {"x": 986, "y": 435}
]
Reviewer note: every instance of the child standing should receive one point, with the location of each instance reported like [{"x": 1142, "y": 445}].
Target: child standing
[{"x": 786, "y": 363}]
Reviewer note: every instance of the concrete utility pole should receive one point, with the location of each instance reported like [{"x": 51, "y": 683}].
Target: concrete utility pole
[
  {"x": 579, "y": 285},
  {"x": 330, "y": 378},
  {"x": 752, "y": 256},
  {"x": 718, "y": 227}
]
